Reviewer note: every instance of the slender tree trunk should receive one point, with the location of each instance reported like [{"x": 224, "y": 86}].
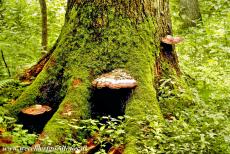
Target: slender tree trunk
[
  {"x": 44, "y": 24},
  {"x": 190, "y": 12},
  {"x": 100, "y": 36},
  {"x": 7, "y": 68}
]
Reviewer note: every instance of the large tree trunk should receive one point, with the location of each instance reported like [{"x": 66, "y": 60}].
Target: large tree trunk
[
  {"x": 190, "y": 12},
  {"x": 98, "y": 37}
]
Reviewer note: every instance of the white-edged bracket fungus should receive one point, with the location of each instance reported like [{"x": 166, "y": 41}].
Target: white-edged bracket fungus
[
  {"x": 116, "y": 79},
  {"x": 171, "y": 40},
  {"x": 36, "y": 109}
]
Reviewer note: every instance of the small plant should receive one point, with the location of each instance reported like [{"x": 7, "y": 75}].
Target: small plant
[
  {"x": 14, "y": 134},
  {"x": 10, "y": 89},
  {"x": 93, "y": 133},
  {"x": 173, "y": 97},
  {"x": 179, "y": 136}
]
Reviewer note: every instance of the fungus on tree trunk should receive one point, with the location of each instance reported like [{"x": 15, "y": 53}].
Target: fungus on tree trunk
[
  {"x": 36, "y": 110},
  {"x": 117, "y": 79},
  {"x": 35, "y": 117},
  {"x": 171, "y": 40},
  {"x": 110, "y": 93}
]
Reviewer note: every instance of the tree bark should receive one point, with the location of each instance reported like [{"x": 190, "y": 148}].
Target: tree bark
[
  {"x": 100, "y": 36},
  {"x": 190, "y": 12},
  {"x": 44, "y": 24}
]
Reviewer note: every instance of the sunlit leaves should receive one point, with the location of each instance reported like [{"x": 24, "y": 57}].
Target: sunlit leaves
[{"x": 20, "y": 29}]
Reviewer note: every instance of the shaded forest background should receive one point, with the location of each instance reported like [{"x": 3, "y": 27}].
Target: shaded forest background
[{"x": 204, "y": 59}]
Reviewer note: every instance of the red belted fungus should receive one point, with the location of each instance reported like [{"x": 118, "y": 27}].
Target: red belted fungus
[
  {"x": 116, "y": 79},
  {"x": 171, "y": 40}
]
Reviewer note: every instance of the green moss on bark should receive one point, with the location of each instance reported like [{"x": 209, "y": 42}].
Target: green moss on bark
[{"x": 28, "y": 96}]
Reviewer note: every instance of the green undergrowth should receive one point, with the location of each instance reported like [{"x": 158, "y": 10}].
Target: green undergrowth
[
  {"x": 104, "y": 132},
  {"x": 20, "y": 32},
  {"x": 187, "y": 132},
  {"x": 13, "y": 135},
  {"x": 10, "y": 90},
  {"x": 174, "y": 95},
  {"x": 201, "y": 127}
]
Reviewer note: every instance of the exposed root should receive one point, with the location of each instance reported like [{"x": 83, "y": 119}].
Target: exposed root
[{"x": 33, "y": 72}]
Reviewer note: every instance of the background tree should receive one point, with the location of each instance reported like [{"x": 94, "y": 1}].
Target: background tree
[
  {"x": 44, "y": 24},
  {"x": 97, "y": 37},
  {"x": 190, "y": 12},
  {"x": 21, "y": 32}
]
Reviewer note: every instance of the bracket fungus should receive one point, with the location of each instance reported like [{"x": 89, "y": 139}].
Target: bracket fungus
[
  {"x": 116, "y": 79},
  {"x": 36, "y": 109},
  {"x": 171, "y": 40},
  {"x": 110, "y": 93},
  {"x": 35, "y": 117}
]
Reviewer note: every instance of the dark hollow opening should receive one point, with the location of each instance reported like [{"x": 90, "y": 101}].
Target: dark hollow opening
[
  {"x": 50, "y": 96},
  {"x": 108, "y": 102},
  {"x": 34, "y": 123},
  {"x": 167, "y": 48}
]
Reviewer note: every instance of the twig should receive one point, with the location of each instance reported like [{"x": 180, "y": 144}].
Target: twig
[{"x": 8, "y": 70}]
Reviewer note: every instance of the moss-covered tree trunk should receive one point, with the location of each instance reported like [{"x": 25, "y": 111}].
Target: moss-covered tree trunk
[
  {"x": 190, "y": 12},
  {"x": 98, "y": 37}
]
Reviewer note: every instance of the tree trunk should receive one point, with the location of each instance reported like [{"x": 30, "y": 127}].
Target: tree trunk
[
  {"x": 98, "y": 37},
  {"x": 190, "y": 12},
  {"x": 44, "y": 24}
]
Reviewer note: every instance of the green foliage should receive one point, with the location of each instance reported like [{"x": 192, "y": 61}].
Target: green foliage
[
  {"x": 187, "y": 132},
  {"x": 20, "y": 29},
  {"x": 21, "y": 137},
  {"x": 198, "y": 133},
  {"x": 174, "y": 95},
  {"x": 214, "y": 7},
  {"x": 201, "y": 127},
  {"x": 10, "y": 90},
  {"x": 105, "y": 131},
  {"x": 204, "y": 55},
  {"x": 14, "y": 132}
]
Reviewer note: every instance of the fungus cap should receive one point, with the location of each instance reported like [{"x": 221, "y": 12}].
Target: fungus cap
[
  {"x": 171, "y": 40},
  {"x": 116, "y": 79},
  {"x": 36, "y": 109}
]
